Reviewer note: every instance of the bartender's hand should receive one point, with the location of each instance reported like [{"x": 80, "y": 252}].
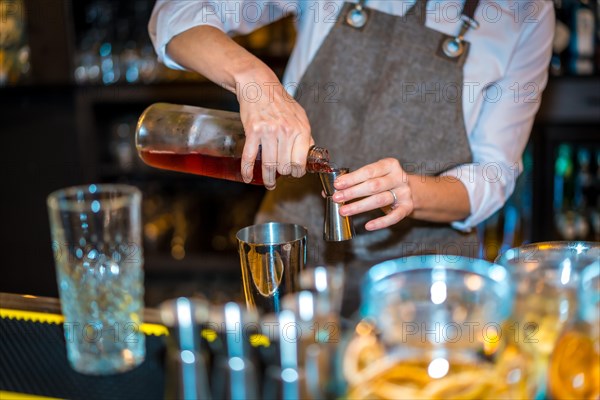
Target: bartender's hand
[
  {"x": 274, "y": 121},
  {"x": 373, "y": 184},
  {"x": 271, "y": 117}
]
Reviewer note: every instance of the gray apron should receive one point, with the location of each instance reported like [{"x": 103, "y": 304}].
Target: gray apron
[{"x": 395, "y": 95}]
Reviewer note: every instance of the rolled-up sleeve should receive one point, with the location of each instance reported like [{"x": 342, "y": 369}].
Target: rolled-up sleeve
[
  {"x": 504, "y": 124},
  {"x": 172, "y": 17}
]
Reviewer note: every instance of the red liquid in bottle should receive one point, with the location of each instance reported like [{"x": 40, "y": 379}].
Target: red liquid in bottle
[{"x": 228, "y": 168}]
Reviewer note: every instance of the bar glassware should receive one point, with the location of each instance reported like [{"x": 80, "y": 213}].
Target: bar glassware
[
  {"x": 97, "y": 243},
  {"x": 546, "y": 276},
  {"x": 272, "y": 255},
  {"x": 433, "y": 328},
  {"x": 574, "y": 371}
]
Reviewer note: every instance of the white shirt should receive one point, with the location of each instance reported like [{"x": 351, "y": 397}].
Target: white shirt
[{"x": 504, "y": 75}]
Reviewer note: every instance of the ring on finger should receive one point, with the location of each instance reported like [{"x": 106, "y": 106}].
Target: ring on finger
[{"x": 395, "y": 200}]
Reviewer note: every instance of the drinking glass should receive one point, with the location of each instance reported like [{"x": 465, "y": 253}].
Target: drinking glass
[
  {"x": 271, "y": 255},
  {"x": 97, "y": 243}
]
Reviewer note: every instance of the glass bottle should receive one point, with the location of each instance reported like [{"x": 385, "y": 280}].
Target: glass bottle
[
  {"x": 574, "y": 371},
  {"x": 202, "y": 141}
]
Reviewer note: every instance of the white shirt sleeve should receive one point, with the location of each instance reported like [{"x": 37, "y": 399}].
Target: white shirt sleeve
[
  {"x": 502, "y": 130},
  {"x": 172, "y": 17}
]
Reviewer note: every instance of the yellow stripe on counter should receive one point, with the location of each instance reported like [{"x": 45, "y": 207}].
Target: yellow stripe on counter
[
  {"x": 257, "y": 340},
  {"x": 57, "y": 319},
  {"x": 32, "y": 316},
  {"x": 22, "y": 396},
  {"x": 209, "y": 334},
  {"x": 154, "y": 330}
]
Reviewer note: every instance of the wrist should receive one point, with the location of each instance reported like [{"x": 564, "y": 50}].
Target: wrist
[
  {"x": 415, "y": 183},
  {"x": 438, "y": 199},
  {"x": 253, "y": 73}
]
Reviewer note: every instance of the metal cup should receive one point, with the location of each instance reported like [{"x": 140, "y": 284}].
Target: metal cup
[
  {"x": 336, "y": 228},
  {"x": 271, "y": 255}
]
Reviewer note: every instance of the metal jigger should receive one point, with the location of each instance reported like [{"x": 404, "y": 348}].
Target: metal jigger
[{"x": 336, "y": 227}]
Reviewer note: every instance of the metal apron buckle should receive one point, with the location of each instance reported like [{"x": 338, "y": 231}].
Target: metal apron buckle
[
  {"x": 358, "y": 16},
  {"x": 454, "y": 47}
]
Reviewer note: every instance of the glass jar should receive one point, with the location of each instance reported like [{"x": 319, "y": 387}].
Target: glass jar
[
  {"x": 203, "y": 142},
  {"x": 574, "y": 371},
  {"x": 546, "y": 278},
  {"x": 433, "y": 327}
]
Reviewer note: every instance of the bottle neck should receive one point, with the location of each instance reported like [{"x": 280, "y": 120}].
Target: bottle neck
[{"x": 318, "y": 160}]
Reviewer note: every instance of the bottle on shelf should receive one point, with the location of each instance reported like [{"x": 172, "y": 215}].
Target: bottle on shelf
[
  {"x": 582, "y": 38},
  {"x": 562, "y": 37},
  {"x": 203, "y": 142}
]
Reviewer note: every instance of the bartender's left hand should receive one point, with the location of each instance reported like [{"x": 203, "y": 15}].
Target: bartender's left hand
[{"x": 372, "y": 184}]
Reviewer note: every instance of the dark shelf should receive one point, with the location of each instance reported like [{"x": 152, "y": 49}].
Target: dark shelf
[
  {"x": 571, "y": 99},
  {"x": 207, "y": 263},
  {"x": 193, "y": 93}
]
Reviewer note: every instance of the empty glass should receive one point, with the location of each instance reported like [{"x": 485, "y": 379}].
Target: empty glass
[{"x": 97, "y": 243}]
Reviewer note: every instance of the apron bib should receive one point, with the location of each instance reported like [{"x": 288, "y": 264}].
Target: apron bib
[{"x": 395, "y": 94}]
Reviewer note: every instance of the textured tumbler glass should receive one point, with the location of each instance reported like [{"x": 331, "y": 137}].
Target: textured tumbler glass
[
  {"x": 97, "y": 243},
  {"x": 272, "y": 256}
]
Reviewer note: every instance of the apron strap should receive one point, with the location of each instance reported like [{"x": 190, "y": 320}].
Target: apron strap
[
  {"x": 419, "y": 10},
  {"x": 469, "y": 8}
]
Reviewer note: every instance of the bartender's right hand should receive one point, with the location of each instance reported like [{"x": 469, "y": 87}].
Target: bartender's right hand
[{"x": 274, "y": 121}]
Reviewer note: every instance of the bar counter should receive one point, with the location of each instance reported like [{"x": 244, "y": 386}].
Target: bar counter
[{"x": 33, "y": 358}]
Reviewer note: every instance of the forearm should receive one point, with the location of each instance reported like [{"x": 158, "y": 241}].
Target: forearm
[
  {"x": 211, "y": 53},
  {"x": 438, "y": 198}
]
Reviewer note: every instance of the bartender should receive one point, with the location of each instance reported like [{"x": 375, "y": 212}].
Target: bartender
[{"x": 429, "y": 103}]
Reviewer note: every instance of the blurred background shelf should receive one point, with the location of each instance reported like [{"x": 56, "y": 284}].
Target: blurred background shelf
[{"x": 76, "y": 76}]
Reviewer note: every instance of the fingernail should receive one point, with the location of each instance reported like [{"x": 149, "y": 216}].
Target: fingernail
[
  {"x": 370, "y": 226},
  {"x": 338, "y": 196}
]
